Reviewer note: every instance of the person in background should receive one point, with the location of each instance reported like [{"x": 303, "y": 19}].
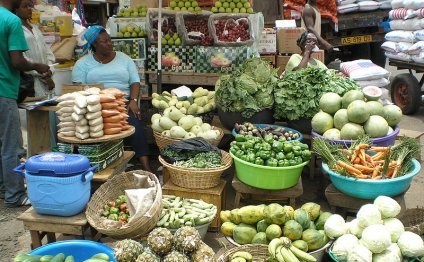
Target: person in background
[
  {"x": 311, "y": 21},
  {"x": 307, "y": 43},
  {"x": 38, "y": 50},
  {"x": 12, "y": 61},
  {"x": 114, "y": 69}
]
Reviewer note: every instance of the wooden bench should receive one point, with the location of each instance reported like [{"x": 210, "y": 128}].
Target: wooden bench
[
  {"x": 40, "y": 226},
  {"x": 350, "y": 205},
  {"x": 290, "y": 193}
]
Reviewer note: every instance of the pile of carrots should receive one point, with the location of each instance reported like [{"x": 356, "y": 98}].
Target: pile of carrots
[{"x": 367, "y": 162}]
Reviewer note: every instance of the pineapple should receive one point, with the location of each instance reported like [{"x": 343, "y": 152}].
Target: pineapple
[
  {"x": 175, "y": 256},
  {"x": 203, "y": 254},
  {"x": 127, "y": 250},
  {"x": 148, "y": 256},
  {"x": 160, "y": 241},
  {"x": 187, "y": 239}
]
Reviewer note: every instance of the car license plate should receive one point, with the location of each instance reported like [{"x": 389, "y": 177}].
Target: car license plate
[{"x": 356, "y": 39}]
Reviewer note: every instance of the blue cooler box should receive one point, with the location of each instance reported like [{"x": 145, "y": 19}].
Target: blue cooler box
[{"x": 58, "y": 184}]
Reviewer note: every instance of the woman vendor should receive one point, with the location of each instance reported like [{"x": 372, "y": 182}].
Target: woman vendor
[
  {"x": 114, "y": 69},
  {"x": 308, "y": 44}
]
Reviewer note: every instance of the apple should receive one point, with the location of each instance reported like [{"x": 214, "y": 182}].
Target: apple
[
  {"x": 187, "y": 4},
  {"x": 180, "y": 4},
  {"x": 177, "y": 8},
  {"x": 250, "y": 10},
  {"x": 134, "y": 34},
  {"x": 218, "y": 4},
  {"x": 228, "y": 10},
  {"x": 183, "y": 8},
  {"x": 175, "y": 36},
  {"x": 222, "y": 10},
  {"x": 127, "y": 34},
  {"x": 236, "y": 10},
  {"x": 239, "y": 5},
  {"x": 190, "y": 9},
  {"x": 243, "y": 10},
  {"x": 225, "y": 5},
  {"x": 194, "y": 4},
  {"x": 173, "y": 4},
  {"x": 197, "y": 9},
  {"x": 232, "y": 5},
  {"x": 123, "y": 29},
  {"x": 246, "y": 5},
  {"x": 119, "y": 34},
  {"x": 214, "y": 9}
]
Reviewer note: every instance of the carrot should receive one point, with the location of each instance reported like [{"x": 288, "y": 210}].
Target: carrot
[
  {"x": 362, "y": 176},
  {"x": 378, "y": 156},
  {"x": 379, "y": 149},
  {"x": 362, "y": 157},
  {"x": 354, "y": 156},
  {"x": 391, "y": 173},
  {"x": 362, "y": 146},
  {"x": 349, "y": 168},
  {"x": 376, "y": 172},
  {"x": 370, "y": 160},
  {"x": 357, "y": 160},
  {"x": 363, "y": 168}
]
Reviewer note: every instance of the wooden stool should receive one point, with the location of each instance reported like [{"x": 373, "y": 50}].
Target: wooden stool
[
  {"x": 214, "y": 195},
  {"x": 348, "y": 204},
  {"x": 289, "y": 193},
  {"x": 412, "y": 134},
  {"x": 40, "y": 226}
]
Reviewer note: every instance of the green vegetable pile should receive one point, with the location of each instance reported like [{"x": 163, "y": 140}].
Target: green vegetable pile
[
  {"x": 269, "y": 151},
  {"x": 297, "y": 93},
  {"x": 191, "y": 159},
  {"x": 248, "y": 90}
]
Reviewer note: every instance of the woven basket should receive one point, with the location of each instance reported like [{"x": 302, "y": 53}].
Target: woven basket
[
  {"x": 163, "y": 141},
  {"x": 413, "y": 220},
  {"x": 195, "y": 178},
  {"x": 111, "y": 189},
  {"x": 259, "y": 252}
]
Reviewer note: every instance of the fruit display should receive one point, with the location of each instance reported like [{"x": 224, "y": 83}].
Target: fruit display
[
  {"x": 263, "y": 224},
  {"x": 169, "y": 28},
  {"x": 178, "y": 212},
  {"x": 139, "y": 11},
  {"x": 282, "y": 133},
  {"x": 374, "y": 235},
  {"x": 117, "y": 210},
  {"x": 241, "y": 256},
  {"x": 195, "y": 28},
  {"x": 201, "y": 101},
  {"x": 352, "y": 115},
  {"x": 283, "y": 249},
  {"x": 184, "y": 246},
  {"x": 232, "y": 6},
  {"x": 173, "y": 39},
  {"x": 270, "y": 152},
  {"x": 231, "y": 29},
  {"x": 131, "y": 30},
  {"x": 60, "y": 257},
  {"x": 184, "y": 5}
]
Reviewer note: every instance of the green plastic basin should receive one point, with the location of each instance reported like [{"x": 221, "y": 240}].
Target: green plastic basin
[{"x": 265, "y": 177}]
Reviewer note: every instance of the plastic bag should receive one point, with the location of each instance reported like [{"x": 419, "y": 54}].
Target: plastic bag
[
  {"x": 345, "y": 2},
  {"x": 419, "y": 35},
  {"x": 398, "y": 13},
  {"x": 399, "y": 56},
  {"x": 419, "y": 58},
  {"x": 416, "y": 48},
  {"x": 344, "y": 9},
  {"x": 400, "y": 36},
  {"x": 397, "y": 4},
  {"x": 221, "y": 27},
  {"x": 368, "y": 5},
  {"x": 184, "y": 147},
  {"x": 168, "y": 24},
  {"x": 363, "y": 69},
  {"x": 381, "y": 82},
  {"x": 200, "y": 29}
]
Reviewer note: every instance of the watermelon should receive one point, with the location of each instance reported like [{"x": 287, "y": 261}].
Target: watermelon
[
  {"x": 351, "y": 96},
  {"x": 332, "y": 133},
  {"x": 357, "y": 112},
  {"x": 351, "y": 131},
  {"x": 330, "y": 102},
  {"x": 376, "y": 126},
  {"x": 375, "y": 108},
  {"x": 372, "y": 93},
  {"x": 340, "y": 118},
  {"x": 321, "y": 122},
  {"x": 392, "y": 114}
]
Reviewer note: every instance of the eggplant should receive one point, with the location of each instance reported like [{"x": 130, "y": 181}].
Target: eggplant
[{"x": 277, "y": 133}]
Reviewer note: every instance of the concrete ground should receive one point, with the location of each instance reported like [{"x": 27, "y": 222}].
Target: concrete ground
[{"x": 15, "y": 239}]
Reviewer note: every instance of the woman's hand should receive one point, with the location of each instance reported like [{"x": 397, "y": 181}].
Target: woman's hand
[{"x": 133, "y": 107}]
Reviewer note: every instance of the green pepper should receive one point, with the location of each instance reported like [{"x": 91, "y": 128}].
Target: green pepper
[
  {"x": 280, "y": 156},
  {"x": 244, "y": 158},
  {"x": 306, "y": 155},
  {"x": 288, "y": 147},
  {"x": 251, "y": 157},
  {"x": 286, "y": 162},
  {"x": 277, "y": 146},
  {"x": 239, "y": 153},
  {"x": 269, "y": 138},
  {"x": 281, "y": 162},
  {"x": 292, "y": 162},
  {"x": 240, "y": 138},
  {"x": 263, "y": 154},
  {"x": 297, "y": 150},
  {"x": 272, "y": 162},
  {"x": 289, "y": 155},
  {"x": 258, "y": 146},
  {"x": 304, "y": 146},
  {"x": 282, "y": 139},
  {"x": 298, "y": 160},
  {"x": 266, "y": 146},
  {"x": 113, "y": 217},
  {"x": 259, "y": 161}
]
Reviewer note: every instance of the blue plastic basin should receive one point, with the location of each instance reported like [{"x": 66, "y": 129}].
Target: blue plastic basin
[
  {"x": 80, "y": 249},
  {"x": 371, "y": 189},
  {"x": 233, "y": 132}
]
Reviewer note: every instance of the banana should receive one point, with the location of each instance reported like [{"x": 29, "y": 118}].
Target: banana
[
  {"x": 272, "y": 247},
  {"x": 246, "y": 255},
  {"x": 278, "y": 254},
  {"x": 238, "y": 259},
  {"x": 302, "y": 255}
]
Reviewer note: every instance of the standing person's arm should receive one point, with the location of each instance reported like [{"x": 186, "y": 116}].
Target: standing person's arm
[
  {"x": 309, "y": 20},
  {"x": 134, "y": 89}
]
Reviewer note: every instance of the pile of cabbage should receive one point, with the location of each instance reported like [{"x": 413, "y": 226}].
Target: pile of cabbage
[{"x": 376, "y": 235}]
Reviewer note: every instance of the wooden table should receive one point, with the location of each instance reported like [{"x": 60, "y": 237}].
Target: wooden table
[
  {"x": 290, "y": 193},
  {"x": 183, "y": 78},
  {"x": 40, "y": 226}
]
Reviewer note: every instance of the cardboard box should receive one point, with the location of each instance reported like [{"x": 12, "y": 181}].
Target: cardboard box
[
  {"x": 69, "y": 88},
  {"x": 137, "y": 25},
  {"x": 174, "y": 58},
  {"x": 133, "y": 47},
  {"x": 319, "y": 55},
  {"x": 287, "y": 40},
  {"x": 282, "y": 61},
  {"x": 270, "y": 59},
  {"x": 268, "y": 43},
  {"x": 219, "y": 59}
]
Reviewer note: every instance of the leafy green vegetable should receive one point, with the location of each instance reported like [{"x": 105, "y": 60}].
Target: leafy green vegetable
[
  {"x": 248, "y": 90},
  {"x": 297, "y": 93}
]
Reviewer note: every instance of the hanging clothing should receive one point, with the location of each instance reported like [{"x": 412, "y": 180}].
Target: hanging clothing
[
  {"x": 38, "y": 52},
  {"x": 317, "y": 25}
]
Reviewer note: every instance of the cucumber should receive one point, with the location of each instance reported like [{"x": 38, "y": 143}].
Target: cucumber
[
  {"x": 58, "y": 258},
  {"x": 103, "y": 256},
  {"x": 21, "y": 257},
  {"x": 46, "y": 258},
  {"x": 70, "y": 259},
  {"x": 31, "y": 258},
  {"x": 94, "y": 260}
]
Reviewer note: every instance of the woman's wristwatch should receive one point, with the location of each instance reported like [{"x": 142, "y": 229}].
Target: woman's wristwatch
[{"x": 134, "y": 99}]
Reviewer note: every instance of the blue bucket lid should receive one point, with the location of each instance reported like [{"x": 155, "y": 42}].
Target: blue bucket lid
[{"x": 57, "y": 164}]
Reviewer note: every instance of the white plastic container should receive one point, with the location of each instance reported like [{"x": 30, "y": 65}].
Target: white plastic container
[{"x": 61, "y": 76}]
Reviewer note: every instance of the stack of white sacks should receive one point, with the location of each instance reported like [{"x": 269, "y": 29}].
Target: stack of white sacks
[
  {"x": 366, "y": 73},
  {"x": 349, "y": 6},
  {"x": 406, "y": 40}
]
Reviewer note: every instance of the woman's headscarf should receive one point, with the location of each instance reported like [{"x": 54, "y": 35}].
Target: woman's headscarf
[{"x": 91, "y": 35}]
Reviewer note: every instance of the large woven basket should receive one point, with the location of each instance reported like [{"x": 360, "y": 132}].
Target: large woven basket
[
  {"x": 413, "y": 220},
  {"x": 195, "y": 178},
  {"x": 163, "y": 141},
  {"x": 259, "y": 252},
  {"x": 111, "y": 189}
]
